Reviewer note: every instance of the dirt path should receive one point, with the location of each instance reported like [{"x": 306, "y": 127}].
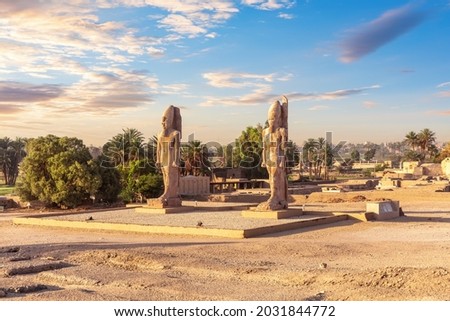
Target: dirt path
[{"x": 403, "y": 259}]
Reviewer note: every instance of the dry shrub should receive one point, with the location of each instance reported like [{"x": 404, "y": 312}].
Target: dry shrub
[{"x": 358, "y": 198}]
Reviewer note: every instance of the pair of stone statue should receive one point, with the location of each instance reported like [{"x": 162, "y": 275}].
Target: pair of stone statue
[{"x": 273, "y": 157}]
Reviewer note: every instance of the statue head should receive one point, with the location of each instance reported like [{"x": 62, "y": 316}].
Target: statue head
[
  {"x": 274, "y": 115},
  {"x": 277, "y": 115},
  {"x": 171, "y": 119}
]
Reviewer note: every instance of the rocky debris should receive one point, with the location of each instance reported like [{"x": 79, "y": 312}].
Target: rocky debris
[
  {"x": 358, "y": 198},
  {"x": 9, "y": 249},
  {"x": 335, "y": 200},
  {"x": 27, "y": 288},
  {"x": 317, "y": 297},
  {"x": 20, "y": 258},
  {"x": 33, "y": 268},
  {"x": 23, "y": 289}
]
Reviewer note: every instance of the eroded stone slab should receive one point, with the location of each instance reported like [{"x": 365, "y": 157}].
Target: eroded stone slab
[
  {"x": 165, "y": 210},
  {"x": 383, "y": 210},
  {"x": 274, "y": 214}
]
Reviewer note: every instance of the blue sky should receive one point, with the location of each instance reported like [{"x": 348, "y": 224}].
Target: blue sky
[{"x": 363, "y": 70}]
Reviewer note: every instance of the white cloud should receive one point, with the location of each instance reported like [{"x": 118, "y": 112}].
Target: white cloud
[
  {"x": 241, "y": 80},
  {"x": 182, "y": 25},
  {"x": 286, "y": 16},
  {"x": 444, "y": 84},
  {"x": 331, "y": 95},
  {"x": 106, "y": 92},
  {"x": 211, "y": 35},
  {"x": 191, "y": 18},
  {"x": 260, "y": 89},
  {"x": 53, "y": 28},
  {"x": 260, "y": 86},
  {"x": 269, "y": 4}
]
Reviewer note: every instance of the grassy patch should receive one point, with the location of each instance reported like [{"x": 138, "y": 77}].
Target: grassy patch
[{"x": 4, "y": 190}]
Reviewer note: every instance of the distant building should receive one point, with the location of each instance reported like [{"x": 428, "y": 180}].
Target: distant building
[{"x": 409, "y": 167}]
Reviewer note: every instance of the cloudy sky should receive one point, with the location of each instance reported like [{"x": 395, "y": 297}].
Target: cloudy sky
[{"x": 363, "y": 70}]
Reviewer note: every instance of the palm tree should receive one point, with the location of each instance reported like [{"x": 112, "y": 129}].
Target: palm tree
[
  {"x": 412, "y": 140},
  {"x": 11, "y": 154},
  {"x": 4, "y": 145},
  {"x": 195, "y": 158},
  {"x": 310, "y": 153},
  {"x": 125, "y": 147},
  {"x": 426, "y": 139},
  {"x": 151, "y": 150}
]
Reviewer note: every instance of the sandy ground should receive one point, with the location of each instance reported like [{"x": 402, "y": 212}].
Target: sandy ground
[{"x": 402, "y": 259}]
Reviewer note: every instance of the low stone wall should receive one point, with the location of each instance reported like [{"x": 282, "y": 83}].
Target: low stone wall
[{"x": 194, "y": 185}]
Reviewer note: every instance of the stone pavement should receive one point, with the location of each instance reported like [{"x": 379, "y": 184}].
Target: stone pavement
[{"x": 207, "y": 219}]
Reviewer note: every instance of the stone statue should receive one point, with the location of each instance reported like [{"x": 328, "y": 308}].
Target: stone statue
[
  {"x": 446, "y": 167},
  {"x": 274, "y": 156},
  {"x": 168, "y": 158}
]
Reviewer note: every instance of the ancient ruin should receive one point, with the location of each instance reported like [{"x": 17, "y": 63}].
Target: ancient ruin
[
  {"x": 168, "y": 159},
  {"x": 445, "y": 164},
  {"x": 274, "y": 139}
]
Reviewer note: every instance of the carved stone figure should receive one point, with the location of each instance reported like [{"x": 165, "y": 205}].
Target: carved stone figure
[
  {"x": 446, "y": 167},
  {"x": 274, "y": 156},
  {"x": 168, "y": 158}
]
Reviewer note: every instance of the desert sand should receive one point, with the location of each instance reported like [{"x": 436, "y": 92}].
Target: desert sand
[{"x": 407, "y": 258}]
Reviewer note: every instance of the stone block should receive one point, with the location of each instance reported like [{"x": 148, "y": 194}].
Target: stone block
[
  {"x": 383, "y": 210},
  {"x": 445, "y": 164},
  {"x": 158, "y": 203},
  {"x": 166, "y": 210},
  {"x": 194, "y": 185},
  {"x": 275, "y": 214}
]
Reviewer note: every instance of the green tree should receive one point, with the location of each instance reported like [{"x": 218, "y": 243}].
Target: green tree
[
  {"x": 111, "y": 182},
  {"x": 422, "y": 145},
  {"x": 427, "y": 140},
  {"x": 247, "y": 152},
  {"x": 58, "y": 171},
  {"x": 194, "y": 156},
  {"x": 355, "y": 155},
  {"x": 318, "y": 156},
  {"x": 292, "y": 154},
  {"x": 124, "y": 147},
  {"x": 11, "y": 154},
  {"x": 412, "y": 155},
  {"x": 310, "y": 155},
  {"x": 139, "y": 180},
  {"x": 412, "y": 140},
  {"x": 370, "y": 153},
  {"x": 133, "y": 161}
]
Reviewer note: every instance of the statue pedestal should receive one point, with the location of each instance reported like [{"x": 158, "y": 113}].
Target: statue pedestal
[
  {"x": 164, "y": 203},
  {"x": 166, "y": 206},
  {"x": 275, "y": 214},
  {"x": 166, "y": 210}
]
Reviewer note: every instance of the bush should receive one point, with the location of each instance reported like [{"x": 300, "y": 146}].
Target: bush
[
  {"x": 139, "y": 180},
  {"x": 111, "y": 186},
  {"x": 58, "y": 171}
]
